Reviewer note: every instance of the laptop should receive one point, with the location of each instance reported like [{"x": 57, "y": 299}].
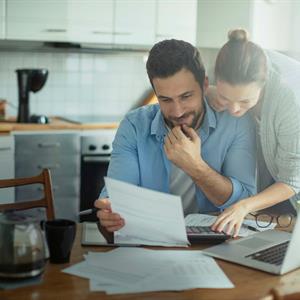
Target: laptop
[
  {"x": 196, "y": 234},
  {"x": 271, "y": 251}
]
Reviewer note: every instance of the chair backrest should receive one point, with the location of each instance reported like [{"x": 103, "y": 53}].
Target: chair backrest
[{"x": 47, "y": 201}]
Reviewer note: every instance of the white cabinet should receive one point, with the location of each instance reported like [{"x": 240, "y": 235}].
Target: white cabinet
[
  {"x": 134, "y": 22},
  {"x": 2, "y": 19},
  {"x": 177, "y": 19},
  {"x": 7, "y": 195},
  {"x": 268, "y": 22},
  {"x": 111, "y": 22},
  {"x": 37, "y": 20},
  {"x": 90, "y": 21}
]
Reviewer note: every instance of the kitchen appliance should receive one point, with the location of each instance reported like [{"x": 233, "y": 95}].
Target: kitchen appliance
[
  {"x": 29, "y": 80},
  {"x": 96, "y": 148},
  {"x": 22, "y": 246}
]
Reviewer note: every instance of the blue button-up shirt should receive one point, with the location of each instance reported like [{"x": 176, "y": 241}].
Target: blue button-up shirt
[{"x": 228, "y": 146}]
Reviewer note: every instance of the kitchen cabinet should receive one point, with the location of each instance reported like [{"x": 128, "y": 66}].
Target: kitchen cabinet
[
  {"x": 2, "y": 19},
  {"x": 59, "y": 152},
  {"x": 268, "y": 22},
  {"x": 176, "y": 19},
  {"x": 109, "y": 22},
  {"x": 37, "y": 20},
  {"x": 91, "y": 21},
  {"x": 7, "y": 195},
  {"x": 134, "y": 22}
]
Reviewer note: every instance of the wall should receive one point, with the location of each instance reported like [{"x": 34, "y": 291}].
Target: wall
[
  {"x": 81, "y": 83},
  {"x": 78, "y": 83}
]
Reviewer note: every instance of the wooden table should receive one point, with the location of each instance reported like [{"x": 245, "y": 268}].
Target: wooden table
[{"x": 249, "y": 284}]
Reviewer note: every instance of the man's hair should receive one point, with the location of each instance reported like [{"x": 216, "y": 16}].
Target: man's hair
[{"x": 170, "y": 56}]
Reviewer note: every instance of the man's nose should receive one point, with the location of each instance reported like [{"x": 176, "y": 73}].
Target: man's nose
[
  {"x": 177, "y": 110},
  {"x": 234, "y": 108}
]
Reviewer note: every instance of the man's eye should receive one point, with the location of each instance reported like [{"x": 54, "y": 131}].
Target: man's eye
[{"x": 186, "y": 96}]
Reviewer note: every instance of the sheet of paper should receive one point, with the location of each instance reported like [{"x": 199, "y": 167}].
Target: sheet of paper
[
  {"x": 208, "y": 220},
  {"x": 202, "y": 272},
  {"x": 151, "y": 217}
]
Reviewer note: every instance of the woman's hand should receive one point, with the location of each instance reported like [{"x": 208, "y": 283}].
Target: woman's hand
[{"x": 231, "y": 219}]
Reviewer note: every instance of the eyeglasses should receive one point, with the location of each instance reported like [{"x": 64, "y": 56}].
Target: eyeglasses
[{"x": 264, "y": 220}]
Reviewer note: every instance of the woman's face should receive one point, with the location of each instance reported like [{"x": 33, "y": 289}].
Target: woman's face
[{"x": 237, "y": 99}]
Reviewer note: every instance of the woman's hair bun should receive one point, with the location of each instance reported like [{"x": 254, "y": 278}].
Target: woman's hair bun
[{"x": 238, "y": 35}]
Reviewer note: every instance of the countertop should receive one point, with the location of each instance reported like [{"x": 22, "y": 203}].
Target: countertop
[{"x": 55, "y": 124}]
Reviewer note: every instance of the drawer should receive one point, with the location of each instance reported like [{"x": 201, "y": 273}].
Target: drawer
[
  {"x": 7, "y": 144},
  {"x": 65, "y": 188},
  {"x": 60, "y": 166},
  {"x": 47, "y": 144}
]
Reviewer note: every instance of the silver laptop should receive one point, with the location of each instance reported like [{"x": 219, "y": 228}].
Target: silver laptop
[{"x": 272, "y": 251}]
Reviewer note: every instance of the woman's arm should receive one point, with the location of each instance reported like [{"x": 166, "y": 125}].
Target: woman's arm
[{"x": 233, "y": 216}]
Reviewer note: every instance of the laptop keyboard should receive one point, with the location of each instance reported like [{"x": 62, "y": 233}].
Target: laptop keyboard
[
  {"x": 273, "y": 255},
  {"x": 199, "y": 229}
]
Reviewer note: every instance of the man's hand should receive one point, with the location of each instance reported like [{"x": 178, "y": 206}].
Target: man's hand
[
  {"x": 183, "y": 147},
  {"x": 212, "y": 98},
  {"x": 230, "y": 221},
  {"x": 109, "y": 220}
]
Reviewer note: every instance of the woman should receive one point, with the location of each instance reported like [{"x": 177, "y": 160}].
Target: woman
[{"x": 268, "y": 85}]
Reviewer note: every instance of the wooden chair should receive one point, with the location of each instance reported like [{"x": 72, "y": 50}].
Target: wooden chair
[{"x": 47, "y": 201}]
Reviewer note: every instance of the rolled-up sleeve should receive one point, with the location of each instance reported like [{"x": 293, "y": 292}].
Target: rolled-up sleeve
[
  {"x": 240, "y": 161},
  {"x": 124, "y": 163}
]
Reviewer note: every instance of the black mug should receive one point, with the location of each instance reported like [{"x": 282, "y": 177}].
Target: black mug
[{"x": 60, "y": 235}]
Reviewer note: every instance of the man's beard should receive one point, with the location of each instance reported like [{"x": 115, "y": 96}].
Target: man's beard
[{"x": 196, "y": 122}]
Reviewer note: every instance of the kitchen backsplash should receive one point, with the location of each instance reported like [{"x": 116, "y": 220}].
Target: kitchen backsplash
[{"x": 81, "y": 83}]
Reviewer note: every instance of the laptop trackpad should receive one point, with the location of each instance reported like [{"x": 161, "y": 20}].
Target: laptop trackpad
[{"x": 254, "y": 243}]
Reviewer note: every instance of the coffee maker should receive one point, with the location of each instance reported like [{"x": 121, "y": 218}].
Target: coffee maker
[{"x": 29, "y": 80}]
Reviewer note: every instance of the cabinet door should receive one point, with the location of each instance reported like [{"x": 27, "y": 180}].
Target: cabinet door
[
  {"x": 134, "y": 22},
  {"x": 42, "y": 20},
  {"x": 177, "y": 19},
  {"x": 216, "y": 18},
  {"x": 91, "y": 21},
  {"x": 7, "y": 195},
  {"x": 2, "y": 19}
]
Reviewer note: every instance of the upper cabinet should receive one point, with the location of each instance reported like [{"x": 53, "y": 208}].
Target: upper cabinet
[
  {"x": 110, "y": 22},
  {"x": 268, "y": 22},
  {"x": 2, "y": 19},
  {"x": 176, "y": 19},
  {"x": 134, "y": 22},
  {"x": 37, "y": 20},
  {"x": 90, "y": 21}
]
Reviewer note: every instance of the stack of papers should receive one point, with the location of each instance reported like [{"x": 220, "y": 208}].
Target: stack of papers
[{"x": 135, "y": 270}]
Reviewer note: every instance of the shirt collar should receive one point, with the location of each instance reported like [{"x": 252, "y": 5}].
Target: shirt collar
[{"x": 159, "y": 129}]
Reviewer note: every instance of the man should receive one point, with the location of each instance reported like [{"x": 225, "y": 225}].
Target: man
[{"x": 181, "y": 146}]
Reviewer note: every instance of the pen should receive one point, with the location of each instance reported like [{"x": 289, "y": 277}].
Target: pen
[
  {"x": 251, "y": 227},
  {"x": 88, "y": 211}
]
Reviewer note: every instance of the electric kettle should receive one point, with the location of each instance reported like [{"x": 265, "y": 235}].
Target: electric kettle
[{"x": 23, "y": 248}]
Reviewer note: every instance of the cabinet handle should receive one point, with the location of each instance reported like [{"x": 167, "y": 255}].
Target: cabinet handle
[
  {"x": 122, "y": 33},
  {"x": 101, "y": 32},
  {"x": 49, "y": 145},
  {"x": 96, "y": 159},
  {"x": 55, "y": 30},
  {"x": 55, "y": 166},
  {"x": 5, "y": 148}
]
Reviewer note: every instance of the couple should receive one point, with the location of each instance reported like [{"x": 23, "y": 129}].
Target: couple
[{"x": 208, "y": 156}]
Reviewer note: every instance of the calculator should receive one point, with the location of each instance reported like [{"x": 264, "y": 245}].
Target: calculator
[{"x": 202, "y": 233}]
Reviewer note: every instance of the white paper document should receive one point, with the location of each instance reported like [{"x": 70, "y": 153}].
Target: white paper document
[
  {"x": 151, "y": 217},
  {"x": 135, "y": 270},
  {"x": 208, "y": 220}
]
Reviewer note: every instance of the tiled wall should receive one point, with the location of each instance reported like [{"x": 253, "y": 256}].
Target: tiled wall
[{"x": 81, "y": 83}]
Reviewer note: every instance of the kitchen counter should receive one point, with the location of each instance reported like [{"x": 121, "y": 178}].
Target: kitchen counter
[{"x": 55, "y": 124}]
